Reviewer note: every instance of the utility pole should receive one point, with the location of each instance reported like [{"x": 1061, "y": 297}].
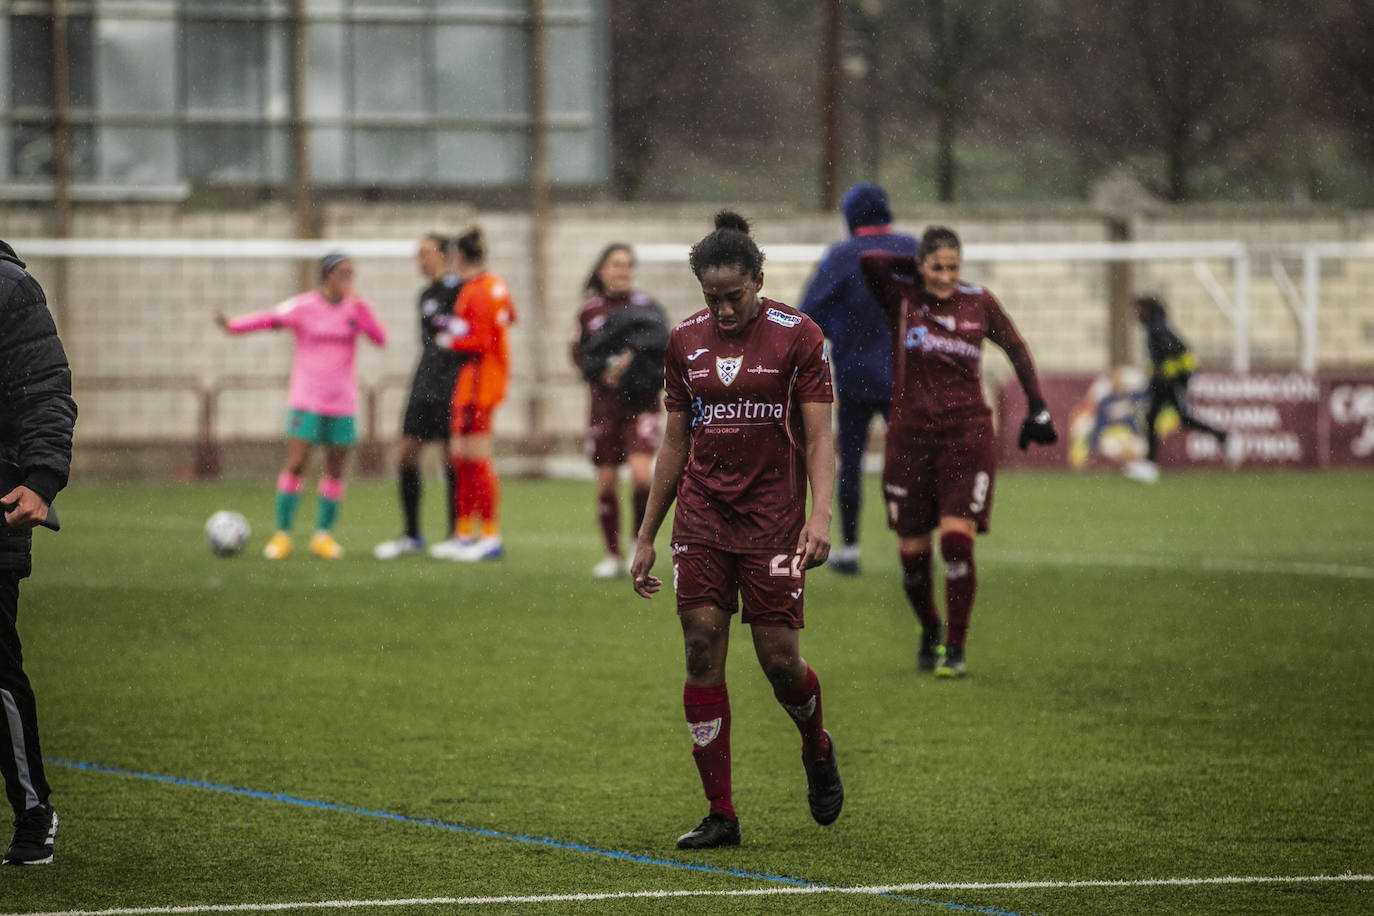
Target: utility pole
[
  {"x": 540, "y": 199},
  {"x": 61, "y": 153},
  {"x": 307, "y": 224},
  {"x": 831, "y": 65}
]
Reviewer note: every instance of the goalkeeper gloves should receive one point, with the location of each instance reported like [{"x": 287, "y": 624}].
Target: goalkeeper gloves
[{"x": 1038, "y": 427}]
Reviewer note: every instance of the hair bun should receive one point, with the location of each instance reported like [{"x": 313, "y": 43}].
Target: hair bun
[{"x": 729, "y": 219}]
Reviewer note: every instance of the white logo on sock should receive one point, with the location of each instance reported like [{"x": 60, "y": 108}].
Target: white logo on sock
[
  {"x": 803, "y": 712},
  {"x": 703, "y": 733}
]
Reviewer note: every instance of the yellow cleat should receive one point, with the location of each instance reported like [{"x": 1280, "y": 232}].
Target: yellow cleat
[
  {"x": 279, "y": 548},
  {"x": 322, "y": 544}
]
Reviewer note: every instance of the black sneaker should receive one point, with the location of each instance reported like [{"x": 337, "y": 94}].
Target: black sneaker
[
  {"x": 34, "y": 832},
  {"x": 715, "y": 830},
  {"x": 952, "y": 665},
  {"x": 824, "y": 791},
  {"x": 931, "y": 650}
]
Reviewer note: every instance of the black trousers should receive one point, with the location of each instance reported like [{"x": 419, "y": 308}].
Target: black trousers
[
  {"x": 1172, "y": 393},
  {"x": 21, "y": 761},
  {"x": 854, "y": 419}
]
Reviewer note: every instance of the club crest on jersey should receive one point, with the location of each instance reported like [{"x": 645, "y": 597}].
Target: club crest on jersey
[
  {"x": 703, "y": 733},
  {"x": 782, "y": 318},
  {"x": 727, "y": 367}
]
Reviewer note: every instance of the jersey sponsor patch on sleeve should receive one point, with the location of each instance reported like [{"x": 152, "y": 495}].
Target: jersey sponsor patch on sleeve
[{"x": 782, "y": 318}]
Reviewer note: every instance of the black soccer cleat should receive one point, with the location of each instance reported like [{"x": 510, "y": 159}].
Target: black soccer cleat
[
  {"x": 715, "y": 830},
  {"x": 824, "y": 791},
  {"x": 952, "y": 665},
  {"x": 34, "y": 832},
  {"x": 931, "y": 650}
]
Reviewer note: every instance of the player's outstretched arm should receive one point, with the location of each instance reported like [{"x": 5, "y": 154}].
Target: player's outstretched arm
[
  {"x": 668, "y": 467},
  {"x": 814, "y": 546}
]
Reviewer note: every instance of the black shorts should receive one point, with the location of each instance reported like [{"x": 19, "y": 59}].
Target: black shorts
[{"x": 426, "y": 419}]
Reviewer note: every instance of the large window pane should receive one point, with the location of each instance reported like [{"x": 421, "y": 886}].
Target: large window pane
[
  {"x": 325, "y": 90},
  {"x": 81, "y": 62},
  {"x": 572, "y": 71},
  {"x": 574, "y": 158},
  {"x": 30, "y": 62},
  {"x": 30, "y": 148},
  {"x": 224, "y": 66},
  {"x": 393, "y": 157},
  {"x": 219, "y": 155},
  {"x": 389, "y": 69},
  {"x": 468, "y": 158},
  {"x": 137, "y": 72},
  {"x": 138, "y": 156},
  {"x": 30, "y": 73},
  {"x": 480, "y": 71},
  {"x": 329, "y": 156}
]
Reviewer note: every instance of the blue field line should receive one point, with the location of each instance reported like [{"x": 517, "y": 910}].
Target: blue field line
[{"x": 483, "y": 831}]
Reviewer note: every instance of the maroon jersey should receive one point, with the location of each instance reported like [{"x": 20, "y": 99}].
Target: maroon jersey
[
  {"x": 607, "y": 402},
  {"x": 937, "y": 346},
  {"x": 744, "y": 488}
]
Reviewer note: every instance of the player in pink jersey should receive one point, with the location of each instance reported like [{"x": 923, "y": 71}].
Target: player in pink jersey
[
  {"x": 940, "y": 459},
  {"x": 618, "y": 346},
  {"x": 323, "y": 396},
  {"x": 748, "y": 400}
]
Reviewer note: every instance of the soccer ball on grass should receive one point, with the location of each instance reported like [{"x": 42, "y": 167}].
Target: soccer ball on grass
[{"x": 226, "y": 532}]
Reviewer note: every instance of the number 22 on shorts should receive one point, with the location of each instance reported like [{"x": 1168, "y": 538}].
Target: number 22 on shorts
[{"x": 785, "y": 564}]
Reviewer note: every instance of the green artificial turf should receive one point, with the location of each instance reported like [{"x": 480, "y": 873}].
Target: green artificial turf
[{"x": 1167, "y": 682}]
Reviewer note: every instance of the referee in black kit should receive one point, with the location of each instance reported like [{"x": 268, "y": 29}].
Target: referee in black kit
[
  {"x": 37, "y": 415},
  {"x": 426, "y": 416}
]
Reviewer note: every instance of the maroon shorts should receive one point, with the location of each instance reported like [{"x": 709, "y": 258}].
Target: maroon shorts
[
  {"x": 613, "y": 437},
  {"x": 770, "y": 584},
  {"x": 945, "y": 472}
]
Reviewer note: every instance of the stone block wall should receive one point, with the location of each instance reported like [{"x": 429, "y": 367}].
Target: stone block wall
[{"x": 148, "y": 359}]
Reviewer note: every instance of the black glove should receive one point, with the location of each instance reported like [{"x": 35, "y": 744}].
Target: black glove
[{"x": 1038, "y": 427}]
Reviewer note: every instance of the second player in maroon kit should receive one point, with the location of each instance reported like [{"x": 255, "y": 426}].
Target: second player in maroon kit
[
  {"x": 748, "y": 400},
  {"x": 618, "y": 347},
  {"x": 941, "y": 453}
]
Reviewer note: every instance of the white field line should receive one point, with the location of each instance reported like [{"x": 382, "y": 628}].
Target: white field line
[
  {"x": 659, "y": 895},
  {"x": 1210, "y": 564}
]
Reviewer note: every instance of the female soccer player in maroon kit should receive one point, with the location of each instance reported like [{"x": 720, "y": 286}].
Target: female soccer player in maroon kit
[
  {"x": 618, "y": 346},
  {"x": 940, "y": 458},
  {"x": 748, "y": 399}
]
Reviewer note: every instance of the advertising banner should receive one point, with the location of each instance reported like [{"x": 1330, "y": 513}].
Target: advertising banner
[{"x": 1273, "y": 420}]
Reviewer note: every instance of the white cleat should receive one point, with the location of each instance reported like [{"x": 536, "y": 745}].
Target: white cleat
[
  {"x": 450, "y": 549},
  {"x": 482, "y": 549},
  {"x": 610, "y": 567},
  {"x": 1235, "y": 450},
  {"x": 1142, "y": 471},
  {"x": 390, "y": 550}
]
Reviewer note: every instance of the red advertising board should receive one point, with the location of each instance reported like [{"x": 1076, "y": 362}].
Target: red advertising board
[{"x": 1283, "y": 419}]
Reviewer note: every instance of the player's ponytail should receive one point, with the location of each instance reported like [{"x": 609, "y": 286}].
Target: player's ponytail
[
  {"x": 472, "y": 245},
  {"x": 729, "y": 246}
]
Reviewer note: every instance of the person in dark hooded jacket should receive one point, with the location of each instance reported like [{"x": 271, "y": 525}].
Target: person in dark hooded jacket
[
  {"x": 838, "y": 299},
  {"x": 37, "y": 415}
]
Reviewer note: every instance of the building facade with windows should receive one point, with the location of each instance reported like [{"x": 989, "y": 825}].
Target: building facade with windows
[{"x": 167, "y": 95}]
